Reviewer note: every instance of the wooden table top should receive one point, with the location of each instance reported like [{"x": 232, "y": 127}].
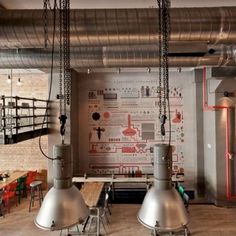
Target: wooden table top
[
  {"x": 13, "y": 177},
  {"x": 91, "y": 192},
  {"x": 123, "y": 179}
]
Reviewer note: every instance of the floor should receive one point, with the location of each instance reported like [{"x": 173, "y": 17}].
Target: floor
[{"x": 205, "y": 220}]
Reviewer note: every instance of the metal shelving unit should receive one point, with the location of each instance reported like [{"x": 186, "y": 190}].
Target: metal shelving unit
[{"x": 22, "y": 118}]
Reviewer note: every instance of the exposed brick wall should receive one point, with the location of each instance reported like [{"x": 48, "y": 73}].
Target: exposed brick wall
[{"x": 24, "y": 155}]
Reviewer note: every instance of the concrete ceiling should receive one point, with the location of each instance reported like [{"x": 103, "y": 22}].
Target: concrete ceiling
[{"x": 37, "y": 4}]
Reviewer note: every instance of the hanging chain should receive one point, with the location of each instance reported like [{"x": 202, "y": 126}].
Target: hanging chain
[
  {"x": 160, "y": 58},
  {"x": 66, "y": 49},
  {"x": 68, "y": 75},
  {"x": 164, "y": 34},
  {"x": 45, "y": 17},
  {"x": 65, "y": 72},
  {"x": 46, "y": 7},
  {"x": 60, "y": 59}
]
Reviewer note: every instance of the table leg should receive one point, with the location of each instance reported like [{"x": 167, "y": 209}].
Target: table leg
[
  {"x": 85, "y": 224},
  {"x": 98, "y": 222},
  {"x": 113, "y": 191}
]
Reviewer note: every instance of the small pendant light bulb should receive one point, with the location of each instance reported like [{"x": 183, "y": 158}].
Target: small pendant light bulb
[
  {"x": 19, "y": 82},
  {"x": 9, "y": 79}
]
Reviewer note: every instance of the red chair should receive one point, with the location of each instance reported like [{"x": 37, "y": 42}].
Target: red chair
[
  {"x": 31, "y": 176},
  {"x": 9, "y": 193}
]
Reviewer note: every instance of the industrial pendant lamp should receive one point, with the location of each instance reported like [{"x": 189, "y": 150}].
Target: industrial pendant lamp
[
  {"x": 63, "y": 206},
  {"x": 162, "y": 209}
]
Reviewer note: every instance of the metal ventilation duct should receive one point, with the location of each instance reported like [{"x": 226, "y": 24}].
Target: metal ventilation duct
[
  {"x": 100, "y": 27},
  {"x": 121, "y": 56}
]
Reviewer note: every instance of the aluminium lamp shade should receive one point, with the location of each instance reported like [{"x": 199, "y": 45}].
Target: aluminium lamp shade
[
  {"x": 63, "y": 205},
  {"x": 163, "y": 208}
]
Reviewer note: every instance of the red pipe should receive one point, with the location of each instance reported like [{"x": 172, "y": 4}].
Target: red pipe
[{"x": 206, "y": 107}]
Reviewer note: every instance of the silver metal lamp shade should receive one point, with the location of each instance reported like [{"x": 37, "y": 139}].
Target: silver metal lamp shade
[
  {"x": 163, "y": 208},
  {"x": 63, "y": 206}
]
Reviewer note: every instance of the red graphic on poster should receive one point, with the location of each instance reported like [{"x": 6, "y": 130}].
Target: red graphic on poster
[
  {"x": 93, "y": 150},
  {"x": 106, "y": 115},
  {"x": 177, "y": 118},
  {"x": 129, "y": 131},
  {"x": 128, "y": 150}
]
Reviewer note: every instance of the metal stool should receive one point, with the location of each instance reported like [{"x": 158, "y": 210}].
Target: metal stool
[{"x": 36, "y": 193}]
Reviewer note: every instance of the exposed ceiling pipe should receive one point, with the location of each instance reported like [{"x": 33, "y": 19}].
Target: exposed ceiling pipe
[
  {"x": 101, "y": 27},
  {"x": 97, "y": 57}
]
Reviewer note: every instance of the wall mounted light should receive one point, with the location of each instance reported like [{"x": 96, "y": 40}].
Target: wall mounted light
[
  {"x": 89, "y": 71},
  {"x": 19, "y": 83},
  {"x": 8, "y": 79}
]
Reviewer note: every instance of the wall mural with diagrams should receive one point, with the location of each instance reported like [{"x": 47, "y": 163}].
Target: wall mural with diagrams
[{"x": 123, "y": 125}]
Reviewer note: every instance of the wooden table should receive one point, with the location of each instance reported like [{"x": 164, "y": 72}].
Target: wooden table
[
  {"x": 122, "y": 179},
  {"x": 91, "y": 192},
  {"x": 13, "y": 177},
  {"x": 115, "y": 179}
]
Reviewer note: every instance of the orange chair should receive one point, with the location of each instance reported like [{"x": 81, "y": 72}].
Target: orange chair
[
  {"x": 31, "y": 176},
  {"x": 9, "y": 193}
]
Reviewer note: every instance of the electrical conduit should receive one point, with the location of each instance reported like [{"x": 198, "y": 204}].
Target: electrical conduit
[{"x": 228, "y": 155}]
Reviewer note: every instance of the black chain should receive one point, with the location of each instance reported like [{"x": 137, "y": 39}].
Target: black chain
[
  {"x": 60, "y": 55},
  {"x": 164, "y": 36},
  {"x": 65, "y": 72},
  {"x": 66, "y": 49},
  {"x": 160, "y": 59},
  {"x": 68, "y": 78},
  {"x": 45, "y": 18}
]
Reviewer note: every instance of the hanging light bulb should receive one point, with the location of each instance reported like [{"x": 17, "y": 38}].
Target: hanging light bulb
[
  {"x": 9, "y": 79},
  {"x": 19, "y": 82}
]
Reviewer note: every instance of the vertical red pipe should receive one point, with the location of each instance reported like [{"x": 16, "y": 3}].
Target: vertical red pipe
[{"x": 227, "y": 153}]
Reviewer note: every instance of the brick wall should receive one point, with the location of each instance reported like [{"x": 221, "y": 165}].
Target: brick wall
[{"x": 24, "y": 155}]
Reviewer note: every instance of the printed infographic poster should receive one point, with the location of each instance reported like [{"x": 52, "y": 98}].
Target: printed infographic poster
[{"x": 123, "y": 121}]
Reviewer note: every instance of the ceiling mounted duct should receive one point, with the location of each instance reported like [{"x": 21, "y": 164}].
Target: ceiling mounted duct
[
  {"x": 102, "y": 27},
  {"x": 63, "y": 206},
  {"x": 121, "y": 56},
  {"x": 163, "y": 209}
]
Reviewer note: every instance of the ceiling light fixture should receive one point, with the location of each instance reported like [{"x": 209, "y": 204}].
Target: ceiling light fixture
[
  {"x": 162, "y": 209},
  {"x": 19, "y": 82},
  {"x": 63, "y": 205},
  {"x": 8, "y": 79}
]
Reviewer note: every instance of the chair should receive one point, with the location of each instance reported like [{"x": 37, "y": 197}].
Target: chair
[
  {"x": 100, "y": 212},
  {"x": 36, "y": 193},
  {"x": 183, "y": 194},
  {"x": 9, "y": 193},
  {"x": 186, "y": 198},
  {"x": 2, "y": 204},
  {"x": 31, "y": 176},
  {"x": 109, "y": 201},
  {"x": 21, "y": 189},
  {"x": 69, "y": 231}
]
